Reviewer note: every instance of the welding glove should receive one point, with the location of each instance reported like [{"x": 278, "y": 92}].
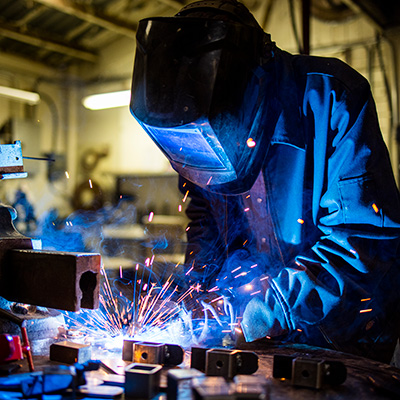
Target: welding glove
[{"x": 261, "y": 319}]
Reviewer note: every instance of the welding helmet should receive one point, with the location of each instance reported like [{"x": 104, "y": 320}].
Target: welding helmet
[{"x": 199, "y": 90}]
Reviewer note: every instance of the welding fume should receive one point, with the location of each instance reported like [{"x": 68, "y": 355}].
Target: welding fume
[{"x": 294, "y": 211}]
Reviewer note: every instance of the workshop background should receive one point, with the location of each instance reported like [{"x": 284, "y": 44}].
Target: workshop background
[{"x": 105, "y": 175}]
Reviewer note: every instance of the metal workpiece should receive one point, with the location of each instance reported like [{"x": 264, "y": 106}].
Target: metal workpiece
[
  {"x": 224, "y": 362},
  {"x": 11, "y": 161},
  {"x": 309, "y": 372},
  {"x": 198, "y": 358},
  {"x": 70, "y": 352},
  {"x": 152, "y": 353},
  {"x": 179, "y": 382},
  {"x": 60, "y": 280},
  {"x": 142, "y": 381},
  {"x": 212, "y": 388}
]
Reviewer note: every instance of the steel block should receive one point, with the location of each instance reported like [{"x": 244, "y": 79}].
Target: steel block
[
  {"x": 70, "y": 352},
  {"x": 142, "y": 381}
]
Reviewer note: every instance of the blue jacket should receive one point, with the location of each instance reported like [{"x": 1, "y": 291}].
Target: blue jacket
[{"x": 318, "y": 234}]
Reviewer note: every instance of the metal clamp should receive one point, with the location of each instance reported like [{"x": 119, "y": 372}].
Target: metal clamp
[
  {"x": 309, "y": 372},
  {"x": 152, "y": 353}
]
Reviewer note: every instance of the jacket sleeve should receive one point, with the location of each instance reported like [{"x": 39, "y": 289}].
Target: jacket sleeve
[
  {"x": 348, "y": 279},
  {"x": 204, "y": 250},
  {"x": 216, "y": 232}
]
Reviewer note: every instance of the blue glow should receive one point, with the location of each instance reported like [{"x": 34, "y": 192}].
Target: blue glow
[{"x": 193, "y": 144}]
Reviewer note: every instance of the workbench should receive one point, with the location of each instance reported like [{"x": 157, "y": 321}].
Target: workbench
[{"x": 366, "y": 379}]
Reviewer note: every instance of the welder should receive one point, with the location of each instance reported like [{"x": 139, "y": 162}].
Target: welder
[{"x": 294, "y": 209}]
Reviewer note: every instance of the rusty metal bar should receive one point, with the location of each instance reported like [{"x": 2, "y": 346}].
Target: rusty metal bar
[{"x": 59, "y": 280}]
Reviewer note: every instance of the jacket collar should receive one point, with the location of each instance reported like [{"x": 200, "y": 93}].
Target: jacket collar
[{"x": 289, "y": 128}]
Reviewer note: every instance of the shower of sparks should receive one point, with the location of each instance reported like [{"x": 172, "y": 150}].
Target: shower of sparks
[
  {"x": 375, "y": 207},
  {"x": 90, "y": 184},
  {"x": 145, "y": 310},
  {"x": 151, "y": 216},
  {"x": 67, "y": 174}
]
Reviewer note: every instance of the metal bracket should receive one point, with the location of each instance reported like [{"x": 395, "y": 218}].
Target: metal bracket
[
  {"x": 224, "y": 362},
  {"x": 309, "y": 372},
  {"x": 152, "y": 353}
]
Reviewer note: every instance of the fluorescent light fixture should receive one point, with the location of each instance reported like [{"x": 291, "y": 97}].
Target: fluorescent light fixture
[
  {"x": 20, "y": 95},
  {"x": 107, "y": 100}
]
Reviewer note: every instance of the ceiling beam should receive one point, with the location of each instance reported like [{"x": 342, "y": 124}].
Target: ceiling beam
[
  {"x": 39, "y": 41},
  {"x": 112, "y": 24},
  {"x": 32, "y": 69}
]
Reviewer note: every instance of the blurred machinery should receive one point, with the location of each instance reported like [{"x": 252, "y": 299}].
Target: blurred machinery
[
  {"x": 60, "y": 280},
  {"x": 29, "y": 275}
]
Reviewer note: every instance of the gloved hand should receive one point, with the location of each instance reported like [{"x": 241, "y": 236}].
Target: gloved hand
[{"x": 261, "y": 318}]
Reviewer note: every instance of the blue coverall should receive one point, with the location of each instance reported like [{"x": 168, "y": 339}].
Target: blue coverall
[{"x": 321, "y": 226}]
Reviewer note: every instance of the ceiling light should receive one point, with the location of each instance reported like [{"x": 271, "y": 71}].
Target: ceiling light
[
  {"x": 107, "y": 100},
  {"x": 20, "y": 95}
]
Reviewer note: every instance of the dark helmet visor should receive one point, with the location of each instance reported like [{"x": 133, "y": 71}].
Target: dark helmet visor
[{"x": 197, "y": 93}]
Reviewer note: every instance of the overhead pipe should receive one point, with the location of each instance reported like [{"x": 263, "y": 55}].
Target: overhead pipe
[{"x": 306, "y": 10}]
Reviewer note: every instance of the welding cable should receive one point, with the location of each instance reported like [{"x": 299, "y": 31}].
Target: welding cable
[{"x": 55, "y": 119}]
